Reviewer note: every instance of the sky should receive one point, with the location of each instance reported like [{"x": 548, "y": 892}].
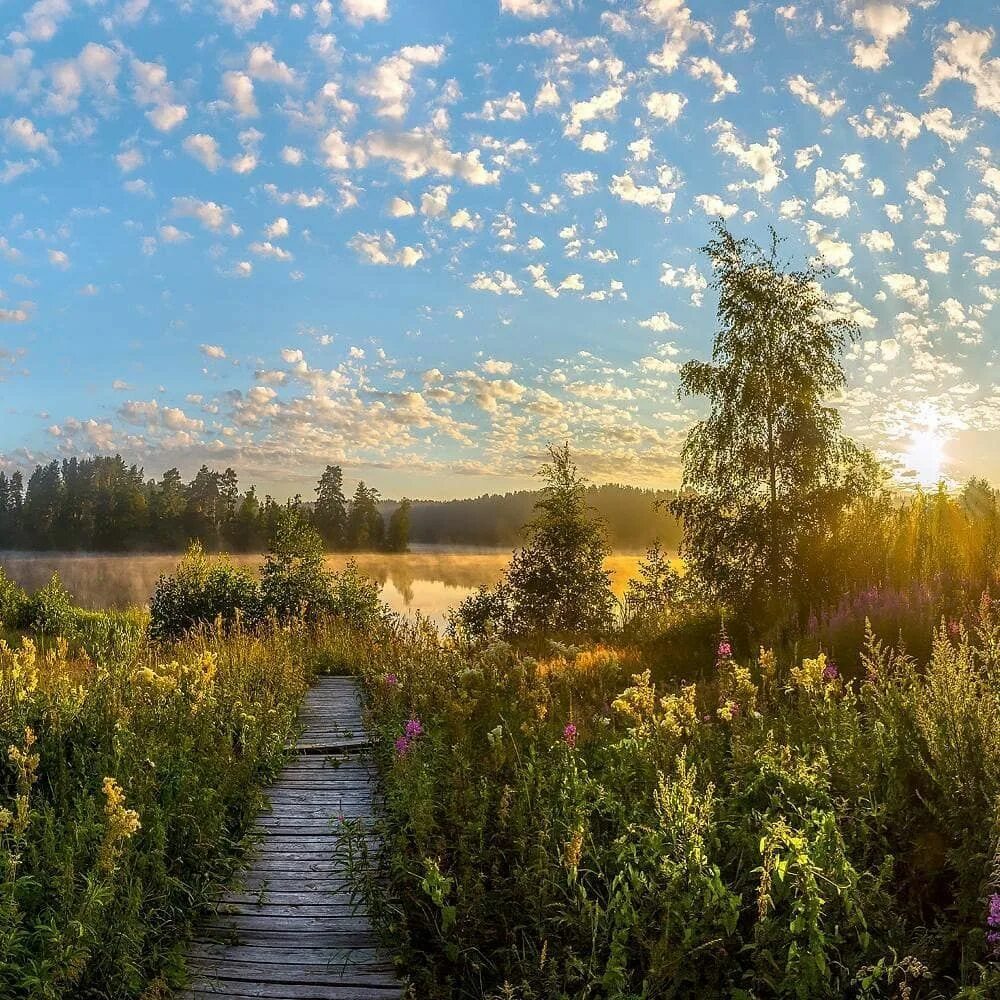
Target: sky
[{"x": 425, "y": 238}]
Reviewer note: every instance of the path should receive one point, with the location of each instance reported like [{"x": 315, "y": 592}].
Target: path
[{"x": 291, "y": 930}]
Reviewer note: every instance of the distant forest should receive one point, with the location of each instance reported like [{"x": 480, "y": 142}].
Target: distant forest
[
  {"x": 103, "y": 504},
  {"x": 633, "y": 518}
]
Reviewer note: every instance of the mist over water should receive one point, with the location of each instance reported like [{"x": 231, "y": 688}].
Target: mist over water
[{"x": 428, "y": 580}]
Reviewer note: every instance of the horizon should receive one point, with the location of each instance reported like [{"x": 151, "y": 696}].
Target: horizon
[{"x": 422, "y": 243}]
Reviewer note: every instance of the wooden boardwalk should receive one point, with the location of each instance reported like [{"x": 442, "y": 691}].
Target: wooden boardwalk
[{"x": 291, "y": 930}]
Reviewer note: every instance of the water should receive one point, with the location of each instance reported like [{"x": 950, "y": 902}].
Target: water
[{"x": 428, "y": 580}]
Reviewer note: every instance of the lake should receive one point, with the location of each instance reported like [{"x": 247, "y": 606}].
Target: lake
[{"x": 429, "y": 580}]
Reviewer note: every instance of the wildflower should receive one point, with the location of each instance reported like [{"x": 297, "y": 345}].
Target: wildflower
[
  {"x": 569, "y": 735},
  {"x": 122, "y": 823},
  {"x": 402, "y": 746},
  {"x": 414, "y": 729},
  {"x": 391, "y": 680},
  {"x": 830, "y": 671},
  {"x": 954, "y": 628},
  {"x": 495, "y": 736},
  {"x": 993, "y": 922},
  {"x": 725, "y": 650}
]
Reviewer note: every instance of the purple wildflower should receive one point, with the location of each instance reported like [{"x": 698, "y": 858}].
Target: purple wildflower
[
  {"x": 830, "y": 671},
  {"x": 414, "y": 729},
  {"x": 391, "y": 680},
  {"x": 402, "y": 746},
  {"x": 954, "y": 628},
  {"x": 569, "y": 734},
  {"x": 993, "y": 922},
  {"x": 725, "y": 650}
]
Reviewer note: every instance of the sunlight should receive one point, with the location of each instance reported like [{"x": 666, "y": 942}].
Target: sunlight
[{"x": 925, "y": 457}]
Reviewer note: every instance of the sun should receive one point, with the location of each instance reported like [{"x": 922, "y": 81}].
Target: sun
[{"x": 925, "y": 457}]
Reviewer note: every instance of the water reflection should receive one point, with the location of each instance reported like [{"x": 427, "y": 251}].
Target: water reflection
[{"x": 431, "y": 581}]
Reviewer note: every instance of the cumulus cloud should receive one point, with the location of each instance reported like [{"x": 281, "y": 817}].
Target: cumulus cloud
[
  {"x": 883, "y": 22},
  {"x": 761, "y": 158},
  {"x": 390, "y": 82},
  {"x": 527, "y": 8},
  {"x": 419, "y": 152},
  {"x": 244, "y": 14},
  {"x": 380, "y": 248},
  {"x": 666, "y": 106},
  {"x": 204, "y": 149},
  {"x": 808, "y": 94},
  {"x": 724, "y": 83},
  {"x": 359, "y": 11},
  {"x": 964, "y": 56},
  {"x": 209, "y": 213}
]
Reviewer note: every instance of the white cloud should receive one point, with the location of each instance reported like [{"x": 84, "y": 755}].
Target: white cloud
[
  {"x": 580, "y": 183},
  {"x": 238, "y": 87},
  {"x": 41, "y": 20},
  {"x": 723, "y": 82},
  {"x": 712, "y": 204},
  {"x": 937, "y": 261},
  {"x": 244, "y": 14},
  {"x": 667, "y": 105},
  {"x": 594, "y": 142},
  {"x": 935, "y": 207},
  {"x": 527, "y": 8},
  {"x": 400, "y": 208},
  {"x": 509, "y": 108},
  {"x": 204, "y": 149},
  {"x": 263, "y": 65},
  {"x": 963, "y": 57},
  {"x": 292, "y": 155},
  {"x": 389, "y": 84},
  {"x": 761, "y": 158},
  {"x": 659, "y": 323},
  {"x": 380, "y": 248},
  {"x": 210, "y": 214},
  {"x": 602, "y": 105},
  {"x": 884, "y": 22},
  {"x": 624, "y": 186},
  {"x": 130, "y": 159},
  {"x": 807, "y": 93},
  {"x": 547, "y": 97},
  {"x": 499, "y": 282},
  {"x": 359, "y": 11},
  {"x": 908, "y": 288},
  {"x": 419, "y": 152},
  {"x": 213, "y": 351},
  {"x": 266, "y": 248},
  {"x": 878, "y": 241},
  {"x": 59, "y": 258}
]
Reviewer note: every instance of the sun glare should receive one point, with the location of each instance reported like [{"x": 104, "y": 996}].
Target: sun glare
[{"x": 925, "y": 457}]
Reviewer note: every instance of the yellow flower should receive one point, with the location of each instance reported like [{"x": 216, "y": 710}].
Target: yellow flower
[{"x": 809, "y": 676}]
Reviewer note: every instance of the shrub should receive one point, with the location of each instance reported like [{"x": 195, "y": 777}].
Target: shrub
[
  {"x": 50, "y": 610},
  {"x": 12, "y": 601},
  {"x": 294, "y": 582},
  {"x": 201, "y": 592}
]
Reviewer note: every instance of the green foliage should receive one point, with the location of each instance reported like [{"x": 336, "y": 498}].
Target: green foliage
[
  {"x": 565, "y": 827},
  {"x": 293, "y": 580},
  {"x": 49, "y": 611},
  {"x": 398, "y": 533},
  {"x": 556, "y": 584},
  {"x": 201, "y": 592},
  {"x": 124, "y": 792},
  {"x": 12, "y": 602},
  {"x": 767, "y": 473}
]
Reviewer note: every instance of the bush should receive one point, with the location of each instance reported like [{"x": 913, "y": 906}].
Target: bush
[
  {"x": 294, "y": 582},
  {"x": 12, "y": 602},
  {"x": 202, "y": 592},
  {"x": 50, "y": 611}
]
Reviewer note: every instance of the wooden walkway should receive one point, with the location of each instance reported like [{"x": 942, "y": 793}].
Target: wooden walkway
[{"x": 292, "y": 930}]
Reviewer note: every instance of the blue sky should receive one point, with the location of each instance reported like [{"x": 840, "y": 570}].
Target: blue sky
[{"x": 423, "y": 239}]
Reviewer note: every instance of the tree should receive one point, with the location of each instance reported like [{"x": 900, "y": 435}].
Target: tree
[
  {"x": 767, "y": 472},
  {"x": 397, "y": 537},
  {"x": 330, "y": 509},
  {"x": 365, "y": 527},
  {"x": 556, "y": 584},
  {"x": 293, "y": 579}
]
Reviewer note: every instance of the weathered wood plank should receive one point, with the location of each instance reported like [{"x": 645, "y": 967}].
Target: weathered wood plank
[{"x": 288, "y": 927}]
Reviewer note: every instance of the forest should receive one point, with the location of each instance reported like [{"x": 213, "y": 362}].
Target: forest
[{"x": 103, "y": 504}]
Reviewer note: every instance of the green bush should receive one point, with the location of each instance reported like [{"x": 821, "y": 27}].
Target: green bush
[
  {"x": 50, "y": 611},
  {"x": 203, "y": 592},
  {"x": 12, "y": 601}
]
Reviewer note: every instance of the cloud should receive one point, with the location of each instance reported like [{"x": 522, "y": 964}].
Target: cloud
[
  {"x": 547, "y": 97},
  {"x": 963, "y": 57},
  {"x": 95, "y": 71},
  {"x": 509, "y": 108},
  {"x": 213, "y": 351},
  {"x": 878, "y": 241},
  {"x": 527, "y": 8},
  {"x": 934, "y": 206},
  {"x": 625, "y": 187},
  {"x": 210, "y": 214},
  {"x": 277, "y": 229},
  {"x": 262, "y": 65},
  {"x": 499, "y": 282},
  {"x": 659, "y": 323},
  {"x": 807, "y": 93},
  {"x": 14, "y": 316},
  {"x": 884, "y": 22},
  {"x": 908, "y": 288},
  {"x": 389, "y": 84},
  {"x": 580, "y": 183},
  {"x": 723, "y": 82},
  {"x": 761, "y": 158},
  {"x": 244, "y": 14},
  {"x": 59, "y": 258},
  {"x": 666, "y": 106},
  {"x": 359, "y": 11},
  {"x": 204, "y": 149},
  {"x": 151, "y": 86},
  {"x": 42, "y": 19},
  {"x": 238, "y": 87},
  {"x": 712, "y": 204},
  {"x": 419, "y": 152},
  {"x": 380, "y": 248},
  {"x": 602, "y": 105},
  {"x": 267, "y": 249}
]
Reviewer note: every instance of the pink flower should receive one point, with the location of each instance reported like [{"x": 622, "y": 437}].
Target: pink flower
[
  {"x": 569, "y": 735},
  {"x": 414, "y": 729},
  {"x": 725, "y": 650},
  {"x": 402, "y": 746},
  {"x": 391, "y": 680},
  {"x": 830, "y": 671}
]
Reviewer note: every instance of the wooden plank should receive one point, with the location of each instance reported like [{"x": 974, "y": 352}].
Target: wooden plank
[{"x": 288, "y": 926}]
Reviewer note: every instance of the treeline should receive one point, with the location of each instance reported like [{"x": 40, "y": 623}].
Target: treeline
[
  {"x": 103, "y": 504},
  {"x": 632, "y": 517}
]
